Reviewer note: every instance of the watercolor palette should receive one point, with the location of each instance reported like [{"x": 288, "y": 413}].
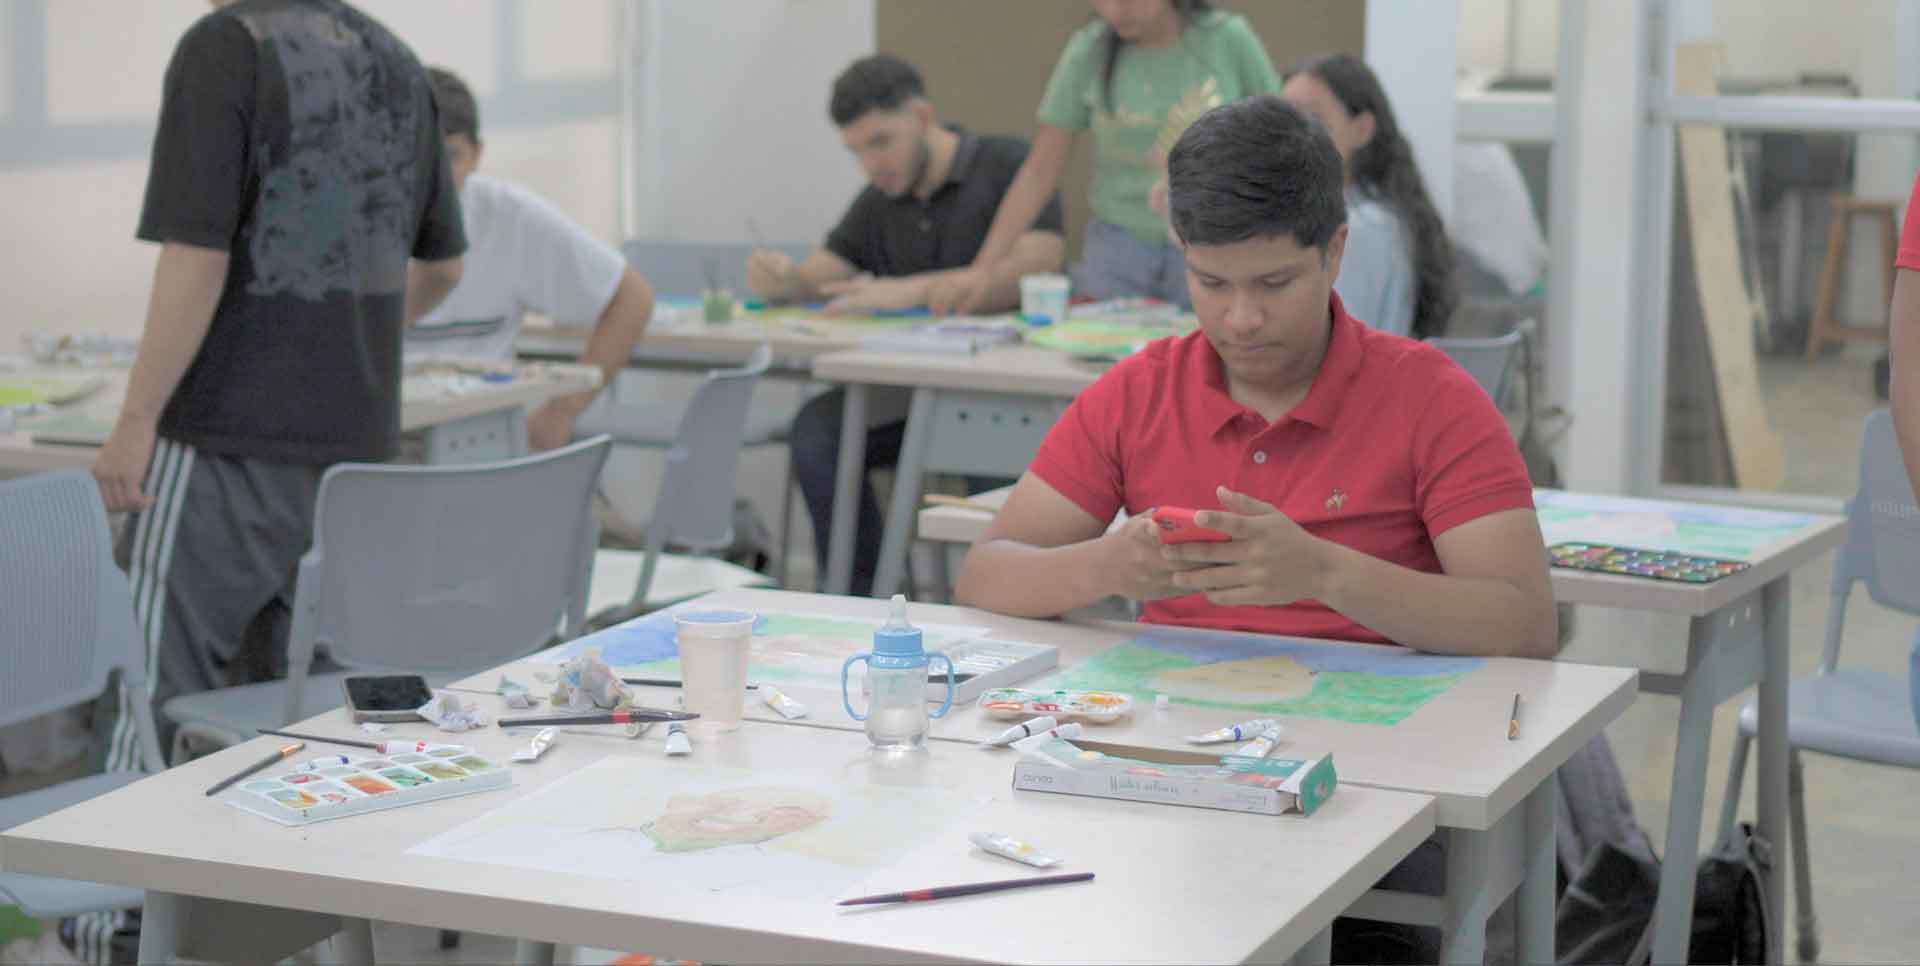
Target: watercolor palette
[{"x": 317, "y": 792}]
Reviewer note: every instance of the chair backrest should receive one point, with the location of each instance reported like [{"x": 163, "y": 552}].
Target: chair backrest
[
  {"x": 694, "y": 507},
  {"x": 1491, "y": 362},
  {"x": 1882, "y": 548},
  {"x": 66, "y": 613},
  {"x": 433, "y": 568},
  {"x": 682, "y": 268}
]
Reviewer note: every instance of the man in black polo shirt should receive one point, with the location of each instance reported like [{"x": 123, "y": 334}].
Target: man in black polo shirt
[{"x": 930, "y": 199}]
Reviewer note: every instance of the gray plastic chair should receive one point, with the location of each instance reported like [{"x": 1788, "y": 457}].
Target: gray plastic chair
[
  {"x": 694, "y": 505},
  {"x": 1849, "y": 712},
  {"x": 1491, "y": 362},
  {"x": 66, "y": 627},
  {"x": 435, "y": 570}
]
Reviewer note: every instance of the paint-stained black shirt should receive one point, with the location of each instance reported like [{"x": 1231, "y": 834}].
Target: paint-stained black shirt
[
  {"x": 906, "y": 236},
  {"x": 300, "y": 137}
]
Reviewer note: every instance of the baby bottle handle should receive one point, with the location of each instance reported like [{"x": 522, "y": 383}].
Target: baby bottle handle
[
  {"x": 845, "y": 699},
  {"x": 947, "y": 704}
]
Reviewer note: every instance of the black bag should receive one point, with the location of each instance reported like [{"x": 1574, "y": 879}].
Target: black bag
[
  {"x": 1606, "y": 908},
  {"x": 1730, "y": 901}
]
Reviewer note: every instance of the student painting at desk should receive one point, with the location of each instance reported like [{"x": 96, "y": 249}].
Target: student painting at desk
[
  {"x": 305, "y": 214},
  {"x": 1370, "y": 489},
  {"x": 931, "y": 194},
  {"x": 1130, "y": 79},
  {"x": 525, "y": 256}
]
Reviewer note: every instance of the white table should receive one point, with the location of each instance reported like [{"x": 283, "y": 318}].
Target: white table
[
  {"x": 1737, "y": 637},
  {"x": 980, "y": 414},
  {"x": 463, "y": 420},
  {"x": 1173, "y": 884},
  {"x": 1494, "y": 797}
]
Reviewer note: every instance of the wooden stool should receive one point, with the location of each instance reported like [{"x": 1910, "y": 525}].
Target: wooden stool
[{"x": 1825, "y": 328}]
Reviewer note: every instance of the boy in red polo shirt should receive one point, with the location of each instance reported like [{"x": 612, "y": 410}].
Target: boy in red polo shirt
[{"x": 1371, "y": 490}]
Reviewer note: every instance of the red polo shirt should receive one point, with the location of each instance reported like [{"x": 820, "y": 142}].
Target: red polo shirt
[
  {"x": 1909, "y": 254},
  {"x": 1393, "y": 445}
]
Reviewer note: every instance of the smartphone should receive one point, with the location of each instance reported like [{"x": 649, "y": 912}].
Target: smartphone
[
  {"x": 387, "y": 697},
  {"x": 1177, "y": 526}
]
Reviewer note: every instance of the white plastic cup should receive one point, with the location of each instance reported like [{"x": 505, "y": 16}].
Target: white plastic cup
[
  {"x": 713, "y": 666},
  {"x": 1043, "y": 298}
]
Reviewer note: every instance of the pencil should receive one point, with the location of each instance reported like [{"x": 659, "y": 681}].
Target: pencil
[
  {"x": 349, "y": 742},
  {"x": 969, "y": 889},
  {"x": 277, "y": 756},
  {"x": 620, "y": 716},
  {"x": 667, "y": 683},
  {"x": 1513, "y": 720}
]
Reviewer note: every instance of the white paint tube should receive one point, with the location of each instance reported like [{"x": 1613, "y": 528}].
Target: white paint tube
[
  {"x": 1259, "y": 747},
  {"x": 781, "y": 704},
  {"x": 1244, "y": 731},
  {"x": 1024, "y": 730},
  {"x": 1013, "y": 848},
  {"x": 542, "y": 740},
  {"x": 677, "y": 743}
]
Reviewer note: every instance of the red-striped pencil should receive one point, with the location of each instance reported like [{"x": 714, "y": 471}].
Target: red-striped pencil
[{"x": 968, "y": 889}]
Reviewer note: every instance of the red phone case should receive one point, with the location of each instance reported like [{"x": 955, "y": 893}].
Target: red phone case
[{"x": 1177, "y": 526}]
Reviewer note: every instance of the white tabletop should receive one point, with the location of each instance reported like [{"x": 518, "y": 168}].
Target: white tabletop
[
  {"x": 1173, "y": 884},
  {"x": 1013, "y": 369},
  {"x": 1454, "y": 748},
  {"x": 426, "y": 401},
  {"x": 794, "y": 341},
  {"x": 1775, "y": 544}
]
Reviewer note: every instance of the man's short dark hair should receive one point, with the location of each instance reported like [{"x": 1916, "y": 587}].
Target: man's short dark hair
[
  {"x": 454, "y": 102},
  {"x": 881, "y": 82},
  {"x": 1256, "y": 168}
]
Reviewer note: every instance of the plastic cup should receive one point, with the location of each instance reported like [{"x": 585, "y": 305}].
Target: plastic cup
[
  {"x": 713, "y": 666},
  {"x": 1043, "y": 298},
  {"x": 716, "y": 305}
]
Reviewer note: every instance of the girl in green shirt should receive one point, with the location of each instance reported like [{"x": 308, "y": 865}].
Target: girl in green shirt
[{"x": 1134, "y": 78}]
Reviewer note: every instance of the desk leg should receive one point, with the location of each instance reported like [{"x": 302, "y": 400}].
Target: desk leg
[
  {"x": 163, "y": 920},
  {"x": 1534, "y": 901},
  {"x": 907, "y": 478},
  {"x": 527, "y": 952},
  {"x": 1469, "y": 897},
  {"x": 1317, "y": 952},
  {"x": 1772, "y": 741},
  {"x": 353, "y": 945},
  {"x": 847, "y": 477},
  {"x": 1673, "y": 911}
]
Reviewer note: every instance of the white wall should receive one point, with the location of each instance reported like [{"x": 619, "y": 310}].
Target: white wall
[
  {"x": 732, "y": 116},
  {"x": 73, "y": 263}
]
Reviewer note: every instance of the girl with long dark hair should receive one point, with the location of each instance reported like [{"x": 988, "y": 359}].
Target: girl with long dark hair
[
  {"x": 1134, "y": 78},
  {"x": 1397, "y": 273}
]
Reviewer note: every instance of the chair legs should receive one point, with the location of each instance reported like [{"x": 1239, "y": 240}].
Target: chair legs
[
  {"x": 1736, "y": 777},
  {"x": 1806, "y": 926}
]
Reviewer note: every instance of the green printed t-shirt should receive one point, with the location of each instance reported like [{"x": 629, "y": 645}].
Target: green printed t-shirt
[{"x": 1218, "y": 59}]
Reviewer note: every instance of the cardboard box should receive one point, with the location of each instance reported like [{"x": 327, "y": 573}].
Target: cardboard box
[{"x": 1267, "y": 786}]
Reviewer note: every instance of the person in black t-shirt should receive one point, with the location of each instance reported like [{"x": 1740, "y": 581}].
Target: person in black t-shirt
[
  {"x": 305, "y": 214},
  {"x": 931, "y": 194}
]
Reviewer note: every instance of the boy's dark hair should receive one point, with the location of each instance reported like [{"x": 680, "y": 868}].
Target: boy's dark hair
[
  {"x": 1256, "y": 168},
  {"x": 453, "y": 101},
  {"x": 881, "y": 82}
]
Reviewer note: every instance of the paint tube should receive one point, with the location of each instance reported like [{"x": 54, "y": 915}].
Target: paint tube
[
  {"x": 1260, "y": 747},
  {"x": 1013, "y": 848},
  {"x": 1041, "y": 738},
  {"x": 1019, "y": 731},
  {"x": 401, "y": 747},
  {"x": 677, "y": 743},
  {"x": 542, "y": 740},
  {"x": 786, "y": 707},
  {"x": 1243, "y": 731},
  {"x": 326, "y": 761}
]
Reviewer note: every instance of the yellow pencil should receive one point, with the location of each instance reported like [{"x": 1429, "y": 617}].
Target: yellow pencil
[{"x": 1513, "y": 720}]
